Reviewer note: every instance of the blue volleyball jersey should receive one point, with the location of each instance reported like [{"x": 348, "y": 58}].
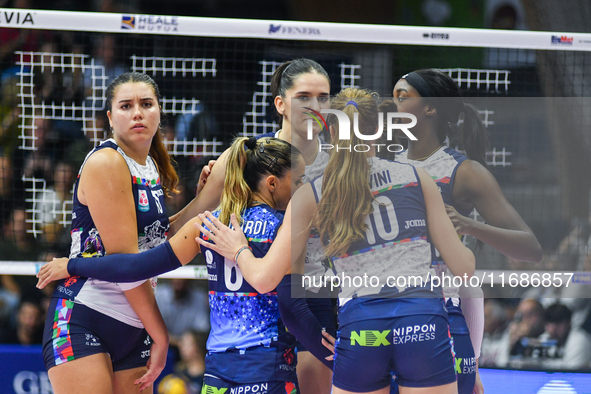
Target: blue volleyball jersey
[
  {"x": 442, "y": 166},
  {"x": 152, "y": 228},
  {"x": 395, "y": 246},
  {"x": 248, "y": 341},
  {"x": 313, "y": 267}
]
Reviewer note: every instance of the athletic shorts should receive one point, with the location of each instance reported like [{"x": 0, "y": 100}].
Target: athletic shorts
[
  {"x": 465, "y": 363},
  {"x": 213, "y": 385},
  {"x": 417, "y": 349},
  {"x": 73, "y": 331}
]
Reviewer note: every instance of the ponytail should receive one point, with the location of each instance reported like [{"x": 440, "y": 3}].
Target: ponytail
[
  {"x": 472, "y": 135},
  {"x": 236, "y": 194},
  {"x": 442, "y": 91},
  {"x": 347, "y": 197},
  {"x": 248, "y": 162},
  {"x": 169, "y": 179}
]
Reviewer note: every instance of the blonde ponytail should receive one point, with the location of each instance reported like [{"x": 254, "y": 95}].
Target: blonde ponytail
[
  {"x": 346, "y": 195},
  {"x": 236, "y": 193}
]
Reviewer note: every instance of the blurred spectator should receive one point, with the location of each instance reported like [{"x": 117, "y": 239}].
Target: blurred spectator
[
  {"x": 9, "y": 115},
  {"x": 29, "y": 324},
  {"x": 571, "y": 346},
  {"x": 9, "y": 299},
  {"x": 58, "y": 85},
  {"x": 192, "y": 350},
  {"x": 528, "y": 322},
  {"x": 16, "y": 244},
  {"x": 495, "y": 322},
  {"x": 6, "y": 191},
  {"x": 183, "y": 307},
  {"x": 109, "y": 67},
  {"x": 50, "y": 211},
  {"x": 38, "y": 163},
  {"x": 190, "y": 369}
]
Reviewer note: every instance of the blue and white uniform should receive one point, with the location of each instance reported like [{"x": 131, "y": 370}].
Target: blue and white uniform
[
  {"x": 442, "y": 166},
  {"x": 317, "y": 296},
  {"x": 78, "y": 299},
  {"x": 384, "y": 320},
  {"x": 248, "y": 345}
]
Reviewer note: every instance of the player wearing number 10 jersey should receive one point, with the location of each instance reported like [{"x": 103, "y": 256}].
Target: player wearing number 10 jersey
[{"x": 377, "y": 219}]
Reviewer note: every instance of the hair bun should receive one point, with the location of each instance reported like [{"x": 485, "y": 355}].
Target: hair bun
[{"x": 251, "y": 143}]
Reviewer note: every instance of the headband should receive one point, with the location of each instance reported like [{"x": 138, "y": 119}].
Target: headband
[
  {"x": 353, "y": 103},
  {"x": 417, "y": 82}
]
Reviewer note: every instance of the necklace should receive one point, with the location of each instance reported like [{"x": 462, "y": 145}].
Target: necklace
[{"x": 429, "y": 155}]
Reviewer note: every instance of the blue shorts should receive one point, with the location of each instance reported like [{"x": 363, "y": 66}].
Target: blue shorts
[
  {"x": 73, "y": 331},
  {"x": 417, "y": 349},
  {"x": 212, "y": 385},
  {"x": 465, "y": 363}
]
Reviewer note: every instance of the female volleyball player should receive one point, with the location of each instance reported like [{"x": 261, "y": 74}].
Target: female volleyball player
[
  {"x": 94, "y": 338},
  {"x": 248, "y": 346},
  {"x": 299, "y": 87},
  {"x": 375, "y": 216},
  {"x": 465, "y": 183}
]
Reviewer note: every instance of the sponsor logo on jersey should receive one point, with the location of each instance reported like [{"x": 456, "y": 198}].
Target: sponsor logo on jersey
[
  {"x": 289, "y": 356},
  {"x": 416, "y": 333},
  {"x": 371, "y": 338},
  {"x": 261, "y": 388},
  {"x": 209, "y": 260},
  {"x": 466, "y": 365},
  {"x": 91, "y": 340},
  {"x": 414, "y": 223},
  {"x": 71, "y": 280},
  {"x": 207, "y": 389},
  {"x": 143, "y": 203}
]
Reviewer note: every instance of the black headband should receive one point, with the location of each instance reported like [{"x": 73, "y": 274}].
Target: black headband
[{"x": 417, "y": 82}]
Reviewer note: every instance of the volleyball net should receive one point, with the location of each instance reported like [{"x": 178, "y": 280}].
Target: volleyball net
[{"x": 214, "y": 76}]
